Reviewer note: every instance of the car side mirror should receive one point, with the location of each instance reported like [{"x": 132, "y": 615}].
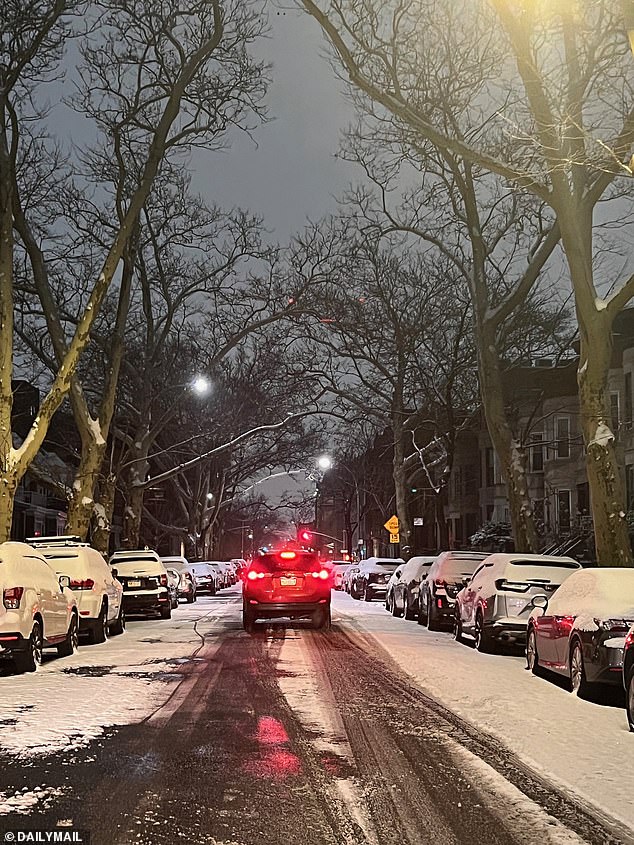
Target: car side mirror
[
  {"x": 64, "y": 581},
  {"x": 115, "y": 573},
  {"x": 540, "y": 601}
]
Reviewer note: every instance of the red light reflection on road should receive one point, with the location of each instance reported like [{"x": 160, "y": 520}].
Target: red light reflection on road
[{"x": 273, "y": 759}]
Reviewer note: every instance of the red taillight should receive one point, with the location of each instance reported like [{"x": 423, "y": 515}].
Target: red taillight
[
  {"x": 163, "y": 580},
  {"x": 87, "y": 584},
  {"x": 11, "y": 597},
  {"x": 252, "y": 575},
  {"x": 323, "y": 574},
  {"x": 288, "y": 555},
  {"x": 629, "y": 640},
  {"x": 440, "y": 582}
]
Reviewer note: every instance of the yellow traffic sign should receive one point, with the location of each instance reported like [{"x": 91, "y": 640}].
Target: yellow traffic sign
[
  {"x": 394, "y": 538},
  {"x": 392, "y": 525}
]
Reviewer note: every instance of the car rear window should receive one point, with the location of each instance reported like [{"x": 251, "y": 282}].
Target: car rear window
[
  {"x": 454, "y": 568},
  {"x": 274, "y": 562}
]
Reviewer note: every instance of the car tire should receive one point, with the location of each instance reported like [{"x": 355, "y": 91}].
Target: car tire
[
  {"x": 354, "y": 593},
  {"x": 99, "y": 632},
  {"x": 532, "y": 658},
  {"x": 483, "y": 639},
  {"x": 69, "y": 646},
  {"x": 578, "y": 682},
  {"x": 629, "y": 699},
  {"x": 395, "y": 609},
  {"x": 29, "y": 660},
  {"x": 367, "y": 595},
  {"x": 410, "y": 613},
  {"x": 166, "y": 612},
  {"x": 118, "y": 626},
  {"x": 248, "y": 620},
  {"x": 190, "y": 599},
  {"x": 321, "y": 619},
  {"x": 422, "y": 613},
  {"x": 433, "y": 622},
  {"x": 457, "y": 627},
  {"x": 388, "y": 603}
]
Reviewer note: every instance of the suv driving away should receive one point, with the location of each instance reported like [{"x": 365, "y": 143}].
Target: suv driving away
[
  {"x": 144, "y": 580},
  {"x": 290, "y": 583}
]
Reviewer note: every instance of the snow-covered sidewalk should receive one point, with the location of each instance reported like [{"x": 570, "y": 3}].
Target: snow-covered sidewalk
[{"x": 581, "y": 746}]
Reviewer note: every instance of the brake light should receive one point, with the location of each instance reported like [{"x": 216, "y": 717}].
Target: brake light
[
  {"x": 613, "y": 625},
  {"x": 629, "y": 640},
  {"x": 512, "y": 586},
  {"x": 323, "y": 574},
  {"x": 164, "y": 580},
  {"x": 252, "y": 575},
  {"x": 11, "y": 597},
  {"x": 86, "y": 584},
  {"x": 288, "y": 555},
  {"x": 440, "y": 582}
]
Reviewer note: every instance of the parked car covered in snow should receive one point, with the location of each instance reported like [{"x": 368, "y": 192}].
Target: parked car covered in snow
[
  {"x": 580, "y": 631},
  {"x": 207, "y": 577},
  {"x": 186, "y": 584},
  {"x": 348, "y": 575},
  {"x": 144, "y": 578},
  {"x": 339, "y": 568},
  {"x": 38, "y": 609},
  {"x": 495, "y": 604},
  {"x": 370, "y": 582},
  {"x": 403, "y": 591},
  {"x": 447, "y": 576}
]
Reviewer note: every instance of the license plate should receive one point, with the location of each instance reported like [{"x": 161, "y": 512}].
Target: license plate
[
  {"x": 134, "y": 583},
  {"x": 288, "y": 582}
]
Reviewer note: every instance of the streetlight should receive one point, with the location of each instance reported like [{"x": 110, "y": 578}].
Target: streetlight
[
  {"x": 201, "y": 385},
  {"x": 325, "y": 462}
]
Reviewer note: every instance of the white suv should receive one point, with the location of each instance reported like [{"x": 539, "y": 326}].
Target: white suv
[
  {"x": 99, "y": 595},
  {"x": 144, "y": 580},
  {"x": 37, "y": 609}
]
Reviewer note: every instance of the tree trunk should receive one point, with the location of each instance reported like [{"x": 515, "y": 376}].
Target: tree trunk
[
  {"x": 400, "y": 483},
  {"x": 102, "y": 514},
  {"x": 607, "y": 495},
  {"x": 510, "y": 453},
  {"x": 7, "y": 497},
  {"x": 81, "y": 503}
]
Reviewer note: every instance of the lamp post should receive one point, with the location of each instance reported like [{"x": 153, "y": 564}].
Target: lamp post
[{"x": 325, "y": 463}]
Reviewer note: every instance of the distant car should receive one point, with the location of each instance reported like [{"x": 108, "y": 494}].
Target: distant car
[
  {"x": 495, "y": 605},
  {"x": 405, "y": 588},
  {"x": 98, "y": 593},
  {"x": 348, "y": 575},
  {"x": 580, "y": 631},
  {"x": 447, "y": 576},
  {"x": 206, "y": 577},
  {"x": 240, "y": 565},
  {"x": 38, "y": 609},
  {"x": 144, "y": 579},
  {"x": 370, "y": 582},
  {"x": 628, "y": 676},
  {"x": 287, "y": 583},
  {"x": 395, "y": 577},
  {"x": 186, "y": 586},
  {"x": 338, "y": 571},
  {"x": 173, "y": 580}
]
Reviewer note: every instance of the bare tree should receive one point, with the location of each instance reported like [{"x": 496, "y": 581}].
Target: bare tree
[{"x": 567, "y": 117}]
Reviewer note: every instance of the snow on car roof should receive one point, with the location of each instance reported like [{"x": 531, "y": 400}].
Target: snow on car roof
[
  {"x": 522, "y": 568},
  {"x": 589, "y": 594}
]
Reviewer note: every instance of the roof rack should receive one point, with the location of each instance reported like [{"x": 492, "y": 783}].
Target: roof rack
[{"x": 60, "y": 540}]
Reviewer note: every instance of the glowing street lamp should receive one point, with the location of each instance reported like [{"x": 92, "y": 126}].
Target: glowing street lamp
[{"x": 201, "y": 385}]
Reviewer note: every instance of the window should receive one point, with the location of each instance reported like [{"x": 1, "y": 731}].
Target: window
[
  {"x": 615, "y": 415},
  {"x": 562, "y": 437},
  {"x": 627, "y": 418},
  {"x": 537, "y": 452},
  {"x": 563, "y": 510}
]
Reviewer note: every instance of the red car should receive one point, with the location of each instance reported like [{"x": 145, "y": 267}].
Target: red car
[{"x": 291, "y": 583}]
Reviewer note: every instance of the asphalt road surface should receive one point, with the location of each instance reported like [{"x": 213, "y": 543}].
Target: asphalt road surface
[{"x": 291, "y": 736}]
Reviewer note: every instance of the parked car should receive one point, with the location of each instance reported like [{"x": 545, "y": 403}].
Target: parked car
[
  {"x": 38, "y": 609},
  {"x": 207, "y": 577},
  {"x": 628, "y": 676},
  {"x": 370, "y": 582},
  {"x": 495, "y": 605},
  {"x": 405, "y": 588},
  {"x": 144, "y": 579},
  {"x": 220, "y": 574},
  {"x": 348, "y": 575},
  {"x": 173, "y": 580},
  {"x": 290, "y": 583},
  {"x": 389, "y": 594},
  {"x": 339, "y": 568},
  {"x": 186, "y": 585},
  {"x": 99, "y": 595},
  {"x": 580, "y": 631},
  {"x": 446, "y": 577},
  {"x": 240, "y": 565}
]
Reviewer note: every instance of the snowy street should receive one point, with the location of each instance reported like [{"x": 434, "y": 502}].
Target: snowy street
[{"x": 376, "y": 732}]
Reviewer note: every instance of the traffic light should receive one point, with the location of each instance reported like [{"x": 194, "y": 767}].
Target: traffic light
[{"x": 305, "y": 535}]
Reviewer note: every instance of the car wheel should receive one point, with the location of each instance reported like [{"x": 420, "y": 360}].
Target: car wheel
[
  {"x": 367, "y": 595},
  {"x": 396, "y": 611},
  {"x": 532, "y": 658},
  {"x": 118, "y": 626},
  {"x": 433, "y": 620},
  {"x": 578, "y": 683},
  {"x": 354, "y": 593},
  {"x": 69, "y": 646},
  {"x": 191, "y": 598},
  {"x": 483, "y": 639},
  {"x": 410, "y": 612},
  {"x": 629, "y": 700},
  {"x": 321, "y": 619},
  {"x": 166, "y": 612},
  {"x": 99, "y": 634},
  {"x": 248, "y": 620},
  {"x": 422, "y": 612},
  {"x": 29, "y": 660},
  {"x": 457, "y": 627},
  {"x": 388, "y": 603}
]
